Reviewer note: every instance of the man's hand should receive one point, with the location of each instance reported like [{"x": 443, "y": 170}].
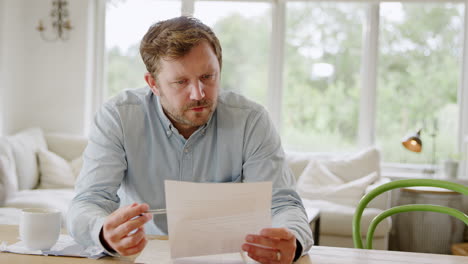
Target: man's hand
[
  {"x": 120, "y": 223},
  {"x": 273, "y": 245}
]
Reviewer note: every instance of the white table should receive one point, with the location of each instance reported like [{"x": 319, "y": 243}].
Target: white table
[
  {"x": 337, "y": 255},
  {"x": 317, "y": 255}
]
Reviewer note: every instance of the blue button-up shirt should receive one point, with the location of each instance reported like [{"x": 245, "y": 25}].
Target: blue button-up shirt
[{"x": 133, "y": 148}]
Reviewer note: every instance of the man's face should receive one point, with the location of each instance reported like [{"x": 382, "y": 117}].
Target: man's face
[{"x": 188, "y": 87}]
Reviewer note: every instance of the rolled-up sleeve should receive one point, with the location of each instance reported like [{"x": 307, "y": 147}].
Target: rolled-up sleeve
[
  {"x": 264, "y": 160},
  {"x": 104, "y": 165}
]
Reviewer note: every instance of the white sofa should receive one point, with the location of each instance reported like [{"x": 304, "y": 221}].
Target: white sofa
[
  {"x": 24, "y": 174},
  {"x": 337, "y": 207},
  {"x": 27, "y": 178}
]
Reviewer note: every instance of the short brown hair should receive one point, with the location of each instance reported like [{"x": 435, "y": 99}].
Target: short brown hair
[{"x": 174, "y": 38}]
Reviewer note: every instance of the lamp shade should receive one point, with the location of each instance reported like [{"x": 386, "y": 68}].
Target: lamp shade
[{"x": 413, "y": 142}]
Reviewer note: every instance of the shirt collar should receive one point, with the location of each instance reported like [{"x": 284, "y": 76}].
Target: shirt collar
[{"x": 168, "y": 127}]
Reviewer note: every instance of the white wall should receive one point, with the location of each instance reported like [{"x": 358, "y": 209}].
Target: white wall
[
  {"x": 12, "y": 58},
  {"x": 45, "y": 83},
  {"x": 2, "y": 67}
]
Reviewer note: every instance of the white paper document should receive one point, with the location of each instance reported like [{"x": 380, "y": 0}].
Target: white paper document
[
  {"x": 214, "y": 218},
  {"x": 158, "y": 252}
]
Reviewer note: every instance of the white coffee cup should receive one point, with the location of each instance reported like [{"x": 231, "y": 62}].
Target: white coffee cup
[{"x": 40, "y": 227}]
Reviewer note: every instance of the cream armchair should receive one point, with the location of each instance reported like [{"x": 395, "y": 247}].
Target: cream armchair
[{"x": 334, "y": 184}]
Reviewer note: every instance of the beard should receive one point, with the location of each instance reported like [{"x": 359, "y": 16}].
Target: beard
[{"x": 185, "y": 116}]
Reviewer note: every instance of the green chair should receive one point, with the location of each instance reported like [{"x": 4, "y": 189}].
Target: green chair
[{"x": 403, "y": 208}]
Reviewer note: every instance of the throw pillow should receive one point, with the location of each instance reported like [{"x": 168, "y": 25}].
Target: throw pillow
[
  {"x": 8, "y": 179},
  {"x": 24, "y": 145},
  {"x": 56, "y": 172},
  {"x": 3, "y": 189},
  {"x": 349, "y": 193},
  {"x": 355, "y": 166},
  {"x": 315, "y": 175},
  {"x": 3, "y": 180}
]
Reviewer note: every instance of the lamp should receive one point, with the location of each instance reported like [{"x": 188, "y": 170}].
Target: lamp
[
  {"x": 61, "y": 26},
  {"x": 413, "y": 142}
]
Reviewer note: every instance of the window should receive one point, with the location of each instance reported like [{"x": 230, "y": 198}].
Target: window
[
  {"x": 337, "y": 90},
  {"x": 244, "y": 32},
  {"x": 126, "y": 23},
  {"x": 321, "y": 75},
  {"x": 419, "y": 69}
]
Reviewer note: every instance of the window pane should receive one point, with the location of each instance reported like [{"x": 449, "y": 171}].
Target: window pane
[
  {"x": 244, "y": 32},
  {"x": 419, "y": 68},
  {"x": 126, "y": 23},
  {"x": 321, "y": 79}
]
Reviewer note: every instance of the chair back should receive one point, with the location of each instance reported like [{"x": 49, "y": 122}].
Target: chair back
[{"x": 403, "y": 208}]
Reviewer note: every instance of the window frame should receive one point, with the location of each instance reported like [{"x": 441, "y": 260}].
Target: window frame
[{"x": 369, "y": 63}]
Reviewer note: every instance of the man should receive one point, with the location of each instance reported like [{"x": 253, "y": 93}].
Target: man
[{"x": 181, "y": 127}]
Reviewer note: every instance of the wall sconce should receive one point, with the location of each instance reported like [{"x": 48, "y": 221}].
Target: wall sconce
[{"x": 61, "y": 25}]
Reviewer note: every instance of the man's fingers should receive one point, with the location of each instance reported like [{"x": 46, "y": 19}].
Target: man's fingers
[
  {"x": 280, "y": 233},
  {"x": 127, "y": 227},
  {"x": 132, "y": 240},
  {"x": 273, "y": 245},
  {"x": 113, "y": 233},
  {"x": 136, "y": 249},
  {"x": 132, "y": 244},
  {"x": 126, "y": 213},
  {"x": 264, "y": 241},
  {"x": 261, "y": 254}
]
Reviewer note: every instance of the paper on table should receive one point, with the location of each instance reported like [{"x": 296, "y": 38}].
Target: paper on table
[
  {"x": 158, "y": 251},
  {"x": 214, "y": 218},
  {"x": 65, "y": 246}
]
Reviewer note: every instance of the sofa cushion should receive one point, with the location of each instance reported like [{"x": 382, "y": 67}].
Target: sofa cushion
[
  {"x": 317, "y": 182},
  {"x": 8, "y": 179},
  {"x": 25, "y": 144},
  {"x": 337, "y": 219},
  {"x": 56, "y": 172},
  {"x": 51, "y": 198},
  {"x": 356, "y": 165},
  {"x": 297, "y": 161},
  {"x": 66, "y": 146},
  {"x": 3, "y": 188},
  {"x": 317, "y": 175},
  {"x": 10, "y": 216}
]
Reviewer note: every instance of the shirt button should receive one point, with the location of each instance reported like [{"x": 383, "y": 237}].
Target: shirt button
[
  {"x": 168, "y": 132},
  {"x": 186, "y": 150}
]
